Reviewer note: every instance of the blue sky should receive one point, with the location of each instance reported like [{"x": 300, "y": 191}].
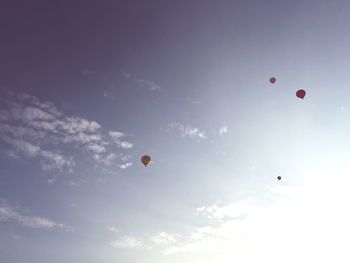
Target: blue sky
[{"x": 88, "y": 87}]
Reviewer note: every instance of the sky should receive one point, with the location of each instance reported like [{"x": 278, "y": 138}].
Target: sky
[{"x": 88, "y": 87}]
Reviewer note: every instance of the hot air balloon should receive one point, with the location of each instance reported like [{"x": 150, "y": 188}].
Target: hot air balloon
[
  {"x": 301, "y": 94},
  {"x": 145, "y": 160},
  {"x": 279, "y": 177},
  {"x": 272, "y": 80}
]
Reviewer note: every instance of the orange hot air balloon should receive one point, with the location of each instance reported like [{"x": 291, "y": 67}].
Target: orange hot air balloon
[
  {"x": 272, "y": 80},
  {"x": 145, "y": 160},
  {"x": 301, "y": 94}
]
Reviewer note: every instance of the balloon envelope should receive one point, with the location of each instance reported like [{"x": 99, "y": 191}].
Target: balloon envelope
[
  {"x": 272, "y": 80},
  {"x": 279, "y": 177},
  {"x": 145, "y": 160},
  {"x": 301, "y": 93}
]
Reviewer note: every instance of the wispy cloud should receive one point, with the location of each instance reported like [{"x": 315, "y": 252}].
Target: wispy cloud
[
  {"x": 126, "y": 165},
  {"x": 187, "y": 131},
  {"x": 159, "y": 240},
  {"x": 113, "y": 229},
  {"x": 301, "y": 217},
  {"x": 13, "y": 214},
  {"x": 230, "y": 211},
  {"x": 124, "y": 144},
  {"x": 96, "y": 148},
  {"x": 87, "y": 71},
  {"x": 163, "y": 238},
  {"x": 117, "y": 136},
  {"x": 149, "y": 84},
  {"x": 49, "y": 160},
  {"x": 127, "y": 242},
  {"x": 223, "y": 130},
  {"x": 39, "y": 130},
  {"x": 74, "y": 205}
]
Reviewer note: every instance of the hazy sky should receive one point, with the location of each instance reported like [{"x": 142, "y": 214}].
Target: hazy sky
[{"x": 88, "y": 87}]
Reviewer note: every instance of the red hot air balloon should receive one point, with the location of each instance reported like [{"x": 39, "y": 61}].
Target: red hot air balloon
[
  {"x": 272, "y": 80},
  {"x": 301, "y": 94}
]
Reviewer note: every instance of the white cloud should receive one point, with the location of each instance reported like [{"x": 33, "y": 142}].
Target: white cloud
[
  {"x": 31, "y": 113},
  {"x": 73, "y": 184},
  {"x": 223, "y": 130},
  {"x": 125, "y": 144},
  {"x": 37, "y": 222},
  {"x": 188, "y": 131},
  {"x": 126, "y": 165},
  {"x": 127, "y": 242},
  {"x": 234, "y": 210},
  {"x": 96, "y": 148},
  {"x": 74, "y": 205},
  {"x": 159, "y": 240},
  {"x": 12, "y": 214},
  {"x": 126, "y": 74},
  {"x": 149, "y": 84},
  {"x": 126, "y": 158},
  {"x": 307, "y": 222},
  {"x": 113, "y": 229},
  {"x": 152, "y": 86},
  {"x": 193, "y": 132},
  {"x": 25, "y": 98},
  {"x": 52, "y": 161},
  {"x": 51, "y": 180},
  {"x": 27, "y": 148},
  {"x": 108, "y": 159},
  {"x": 163, "y": 238},
  {"x": 38, "y": 130},
  {"x": 48, "y": 160},
  {"x": 74, "y": 125},
  {"x": 296, "y": 223},
  {"x": 116, "y": 134}
]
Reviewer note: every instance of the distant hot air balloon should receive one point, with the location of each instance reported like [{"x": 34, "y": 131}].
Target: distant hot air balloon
[
  {"x": 272, "y": 80},
  {"x": 301, "y": 94},
  {"x": 145, "y": 160},
  {"x": 279, "y": 177}
]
